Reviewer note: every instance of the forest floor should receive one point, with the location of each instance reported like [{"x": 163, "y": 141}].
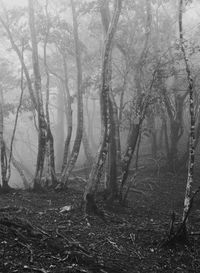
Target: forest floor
[{"x": 36, "y": 236}]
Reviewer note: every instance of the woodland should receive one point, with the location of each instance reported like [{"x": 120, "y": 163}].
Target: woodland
[{"x": 99, "y": 136}]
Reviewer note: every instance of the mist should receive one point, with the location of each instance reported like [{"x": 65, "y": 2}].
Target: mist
[{"x": 101, "y": 98}]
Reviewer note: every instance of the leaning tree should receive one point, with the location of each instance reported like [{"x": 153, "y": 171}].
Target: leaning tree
[
  {"x": 101, "y": 156},
  {"x": 182, "y": 231}
]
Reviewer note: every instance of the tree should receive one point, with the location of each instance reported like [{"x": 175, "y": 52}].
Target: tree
[
  {"x": 49, "y": 137},
  {"x": 79, "y": 132},
  {"x": 5, "y": 152},
  {"x": 4, "y": 162},
  {"x": 190, "y": 176},
  {"x": 142, "y": 101},
  {"x": 96, "y": 171},
  {"x": 114, "y": 151},
  {"x": 182, "y": 233},
  {"x": 42, "y": 126}
]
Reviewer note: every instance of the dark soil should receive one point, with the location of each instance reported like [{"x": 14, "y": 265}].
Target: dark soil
[{"x": 35, "y": 236}]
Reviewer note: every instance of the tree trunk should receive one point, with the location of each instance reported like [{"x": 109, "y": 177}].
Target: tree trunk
[
  {"x": 79, "y": 132},
  {"x": 114, "y": 146},
  {"x": 38, "y": 92},
  {"x": 68, "y": 109},
  {"x": 113, "y": 163},
  {"x": 127, "y": 157},
  {"x": 183, "y": 160},
  {"x": 190, "y": 176},
  {"x": 17, "y": 165},
  {"x": 90, "y": 121},
  {"x": 4, "y": 164},
  {"x": 142, "y": 103},
  {"x": 60, "y": 126},
  {"x": 86, "y": 146},
  {"x": 49, "y": 137},
  {"x": 97, "y": 167},
  {"x": 176, "y": 127}
]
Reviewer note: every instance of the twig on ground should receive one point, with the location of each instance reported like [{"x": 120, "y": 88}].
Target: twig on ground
[
  {"x": 41, "y": 270},
  {"x": 114, "y": 245},
  {"x": 29, "y": 249}
]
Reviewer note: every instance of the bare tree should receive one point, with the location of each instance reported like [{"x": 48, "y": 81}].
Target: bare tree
[
  {"x": 190, "y": 176},
  {"x": 114, "y": 150},
  {"x": 68, "y": 110},
  {"x": 42, "y": 127},
  {"x": 4, "y": 162},
  {"x": 49, "y": 138},
  {"x": 182, "y": 234},
  {"x": 7, "y": 153},
  {"x": 96, "y": 171},
  {"x": 141, "y": 103},
  {"x": 79, "y": 132}
]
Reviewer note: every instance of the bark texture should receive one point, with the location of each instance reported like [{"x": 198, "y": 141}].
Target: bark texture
[
  {"x": 79, "y": 132},
  {"x": 42, "y": 132},
  {"x": 68, "y": 110},
  {"x": 190, "y": 176},
  {"x": 96, "y": 171}
]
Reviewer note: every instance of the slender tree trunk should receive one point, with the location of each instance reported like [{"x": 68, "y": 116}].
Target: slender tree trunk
[
  {"x": 49, "y": 138},
  {"x": 121, "y": 104},
  {"x": 127, "y": 157},
  {"x": 154, "y": 145},
  {"x": 176, "y": 127},
  {"x": 17, "y": 165},
  {"x": 40, "y": 111},
  {"x": 183, "y": 160},
  {"x": 114, "y": 149},
  {"x": 97, "y": 167},
  {"x": 190, "y": 176},
  {"x": 182, "y": 232},
  {"x": 112, "y": 157},
  {"x": 116, "y": 128},
  {"x": 79, "y": 132},
  {"x": 60, "y": 126},
  {"x": 68, "y": 109},
  {"x": 86, "y": 146},
  {"x": 138, "y": 151},
  {"x": 166, "y": 140},
  {"x": 141, "y": 103},
  {"x": 90, "y": 120},
  {"x": 4, "y": 163}
]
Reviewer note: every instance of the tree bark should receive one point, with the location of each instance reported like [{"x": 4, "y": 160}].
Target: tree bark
[
  {"x": 17, "y": 165},
  {"x": 60, "y": 126},
  {"x": 86, "y": 146},
  {"x": 4, "y": 162},
  {"x": 68, "y": 109},
  {"x": 79, "y": 132},
  {"x": 190, "y": 176},
  {"x": 142, "y": 103},
  {"x": 96, "y": 171},
  {"x": 114, "y": 147},
  {"x": 49, "y": 137},
  {"x": 38, "y": 92},
  {"x": 176, "y": 127}
]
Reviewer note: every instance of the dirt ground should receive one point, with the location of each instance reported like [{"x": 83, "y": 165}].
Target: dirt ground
[{"x": 36, "y": 236}]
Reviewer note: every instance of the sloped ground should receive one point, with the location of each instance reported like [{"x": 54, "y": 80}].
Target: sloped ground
[{"x": 36, "y": 237}]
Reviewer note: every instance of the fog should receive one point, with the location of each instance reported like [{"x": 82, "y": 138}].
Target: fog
[
  {"x": 146, "y": 60},
  {"x": 99, "y": 136}
]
